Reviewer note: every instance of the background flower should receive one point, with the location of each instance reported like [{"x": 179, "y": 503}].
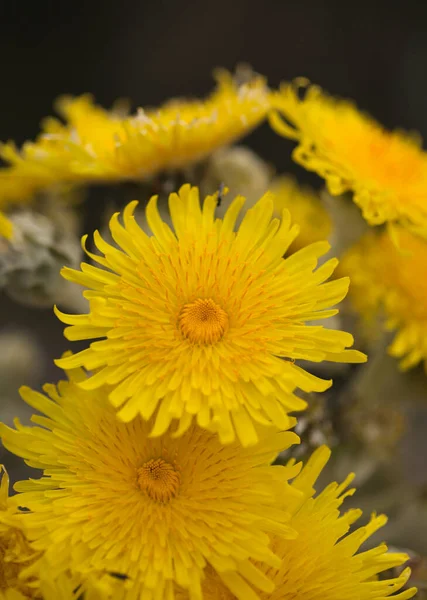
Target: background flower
[
  {"x": 388, "y": 279},
  {"x": 386, "y": 171},
  {"x": 95, "y": 145},
  {"x": 306, "y": 210}
]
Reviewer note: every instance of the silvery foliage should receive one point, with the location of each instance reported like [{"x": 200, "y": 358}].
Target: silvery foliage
[{"x": 30, "y": 263}]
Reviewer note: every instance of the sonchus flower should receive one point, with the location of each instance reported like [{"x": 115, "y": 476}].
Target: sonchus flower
[
  {"x": 389, "y": 279},
  {"x": 95, "y": 145},
  {"x": 385, "y": 171},
  {"x": 323, "y": 562},
  {"x": 206, "y": 321},
  {"x": 306, "y": 210},
  {"x": 155, "y": 511},
  {"x": 15, "y": 551}
]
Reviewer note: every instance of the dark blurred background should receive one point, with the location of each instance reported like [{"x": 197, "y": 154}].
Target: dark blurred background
[{"x": 150, "y": 50}]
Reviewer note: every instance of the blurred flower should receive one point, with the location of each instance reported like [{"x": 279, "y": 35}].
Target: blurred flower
[
  {"x": 390, "y": 278},
  {"x": 322, "y": 562},
  {"x": 15, "y": 551},
  {"x": 348, "y": 224},
  {"x": 244, "y": 172},
  {"x": 154, "y": 511},
  {"x": 375, "y": 424},
  {"x": 31, "y": 261},
  {"x": 306, "y": 210},
  {"x": 386, "y": 171},
  {"x": 6, "y": 227},
  {"x": 97, "y": 145},
  {"x": 198, "y": 322}
]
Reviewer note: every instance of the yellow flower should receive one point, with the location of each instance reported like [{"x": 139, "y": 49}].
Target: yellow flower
[
  {"x": 389, "y": 278},
  {"x": 323, "y": 562},
  {"x": 24, "y": 573},
  {"x": 306, "y": 210},
  {"x": 386, "y": 171},
  {"x": 197, "y": 322},
  {"x": 15, "y": 551},
  {"x": 6, "y": 228},
  {"x": 97, "y": 145},
  {"x": 155, "y": 511},
  {"x": 11, "y": 594},
  {"x": 101, "y": 587}
]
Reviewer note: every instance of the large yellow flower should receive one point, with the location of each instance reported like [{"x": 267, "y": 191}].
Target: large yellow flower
[
  {"x": 386, "y": 171},
  {"x": 323, "y": 562},
  {"x": 155, "y": 511},
  {"x": 306, "y": 210},
  {"x": 199, "y": 322},
  {"x": 97, "y": 145},
  {"x": 390, "y": 279}
]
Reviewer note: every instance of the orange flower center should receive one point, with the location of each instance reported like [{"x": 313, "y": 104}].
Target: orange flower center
[
  {"x": 203, "y": 321},
  {"x": 159, "y": 480}
]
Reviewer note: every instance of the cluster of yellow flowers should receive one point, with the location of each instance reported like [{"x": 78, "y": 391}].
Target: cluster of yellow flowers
[{"x": 158, "y": 451}]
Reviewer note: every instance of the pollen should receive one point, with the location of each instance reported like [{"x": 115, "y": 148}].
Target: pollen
[
  {"x": 203, "y": 321},
  {"x": 159, "y": 480}
]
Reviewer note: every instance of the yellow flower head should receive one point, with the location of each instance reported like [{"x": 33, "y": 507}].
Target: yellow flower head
[
  {"x": 198, "y": 322},
  {"x": 15, "y": 551},
  {"x": 155, "y": 511},
  {"x": 306, "y": 210},
  {"x": 386, "y": 171},
  {"x": 389, "y": 278},
  {"x": 323, "y": 562},
  {"x": 97, "y": 145}
]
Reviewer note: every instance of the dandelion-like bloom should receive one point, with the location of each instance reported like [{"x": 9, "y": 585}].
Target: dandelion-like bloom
[
  {"x": 95, "y": 145},
  {"x": 389, "y": 279},
  {"x": 323, "y": 562},
  {"x": 15, "y": 551},
  {"x": 306, "y": 210},
  {"x": 197, "y": 322},
  {"x": 386, "y": 171},
  {"x": 155, "y": 511}
]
